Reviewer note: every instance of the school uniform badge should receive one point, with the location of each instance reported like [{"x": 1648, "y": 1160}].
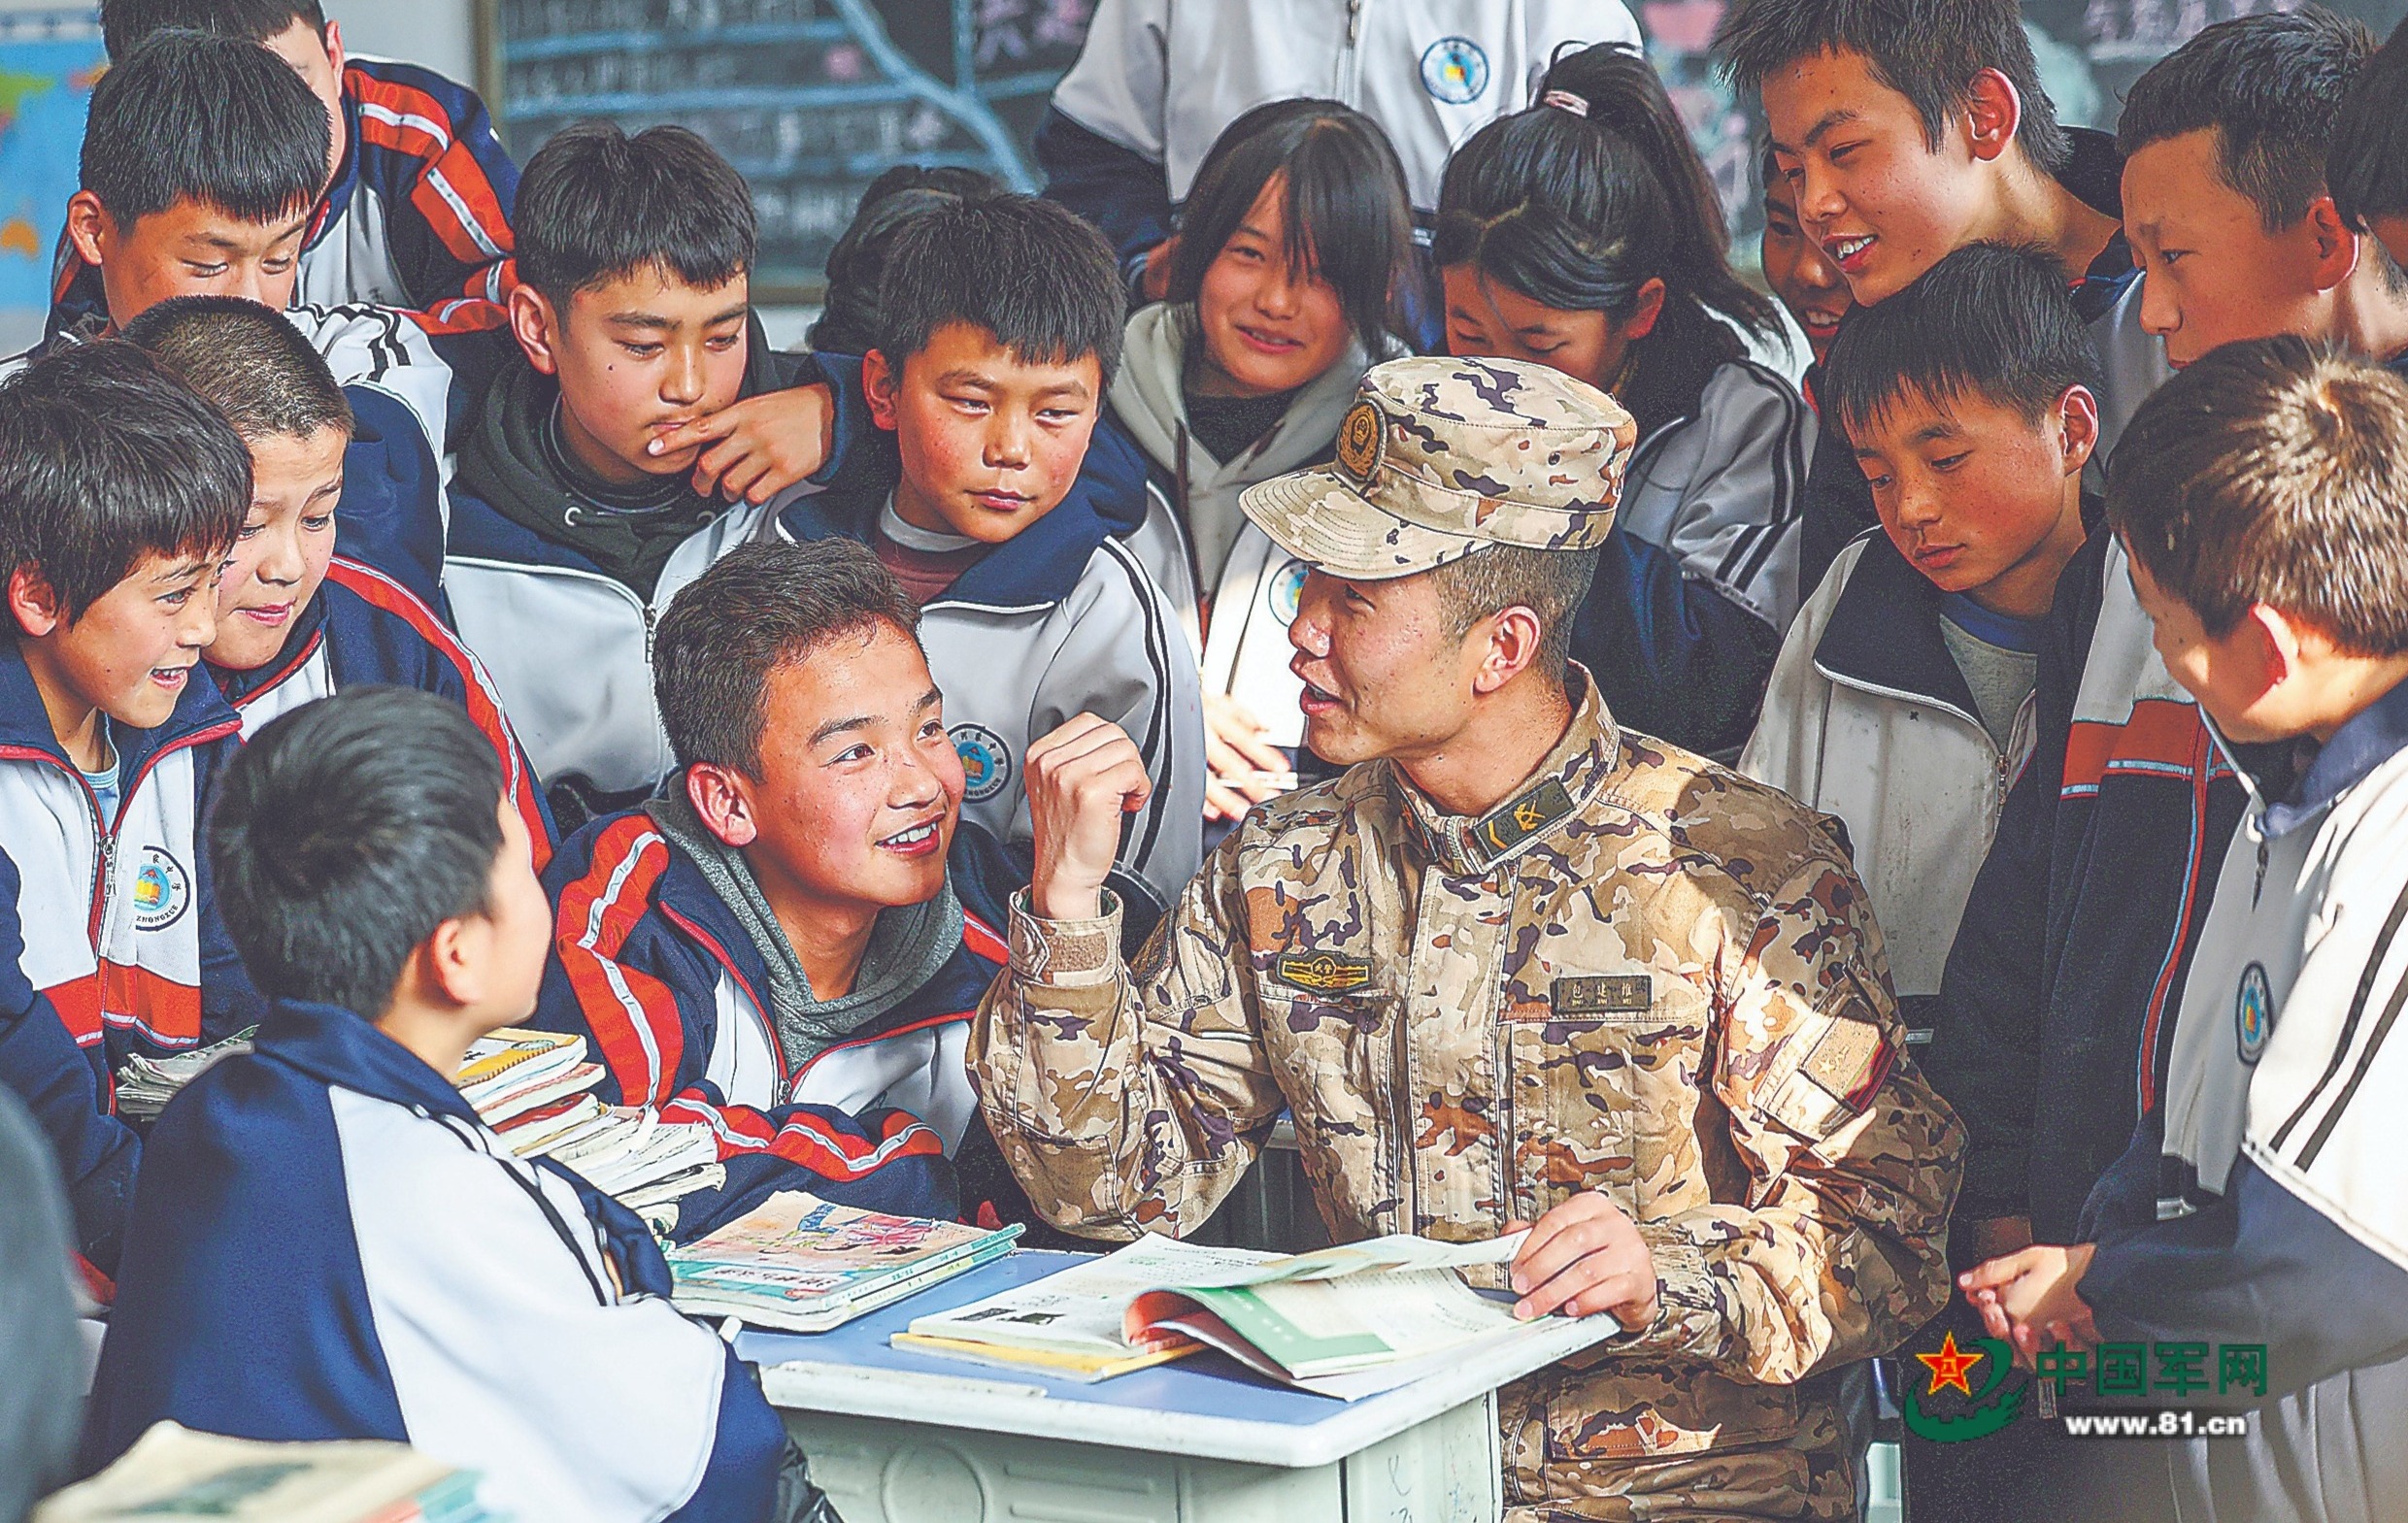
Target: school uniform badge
[
  {"x": 1285, "y": 592},
  {"x": 2253, "y": 1012},
  {"x": 1455, "y": 70},
  {"x": 985, "y": 761},
  {"x": 162, "y": 890}
]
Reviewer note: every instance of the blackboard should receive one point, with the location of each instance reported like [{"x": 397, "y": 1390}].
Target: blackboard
[{"x": 813, "y": 98}]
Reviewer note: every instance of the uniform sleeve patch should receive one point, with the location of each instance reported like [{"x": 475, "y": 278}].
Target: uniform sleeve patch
[
  {"x": 1607, "y": 995},
  {"x": 1322, "y": 972},
  {"x": 1851, "y": 1059}
]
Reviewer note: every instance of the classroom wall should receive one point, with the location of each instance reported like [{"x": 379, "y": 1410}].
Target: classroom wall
[{"x": 440, "y": 34}]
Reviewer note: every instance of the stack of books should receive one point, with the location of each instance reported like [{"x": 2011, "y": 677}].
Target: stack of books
[
  {"x": 172, "y": 1475},
  {"x": 800, "y": 1263},
  {"x": 534, "y": 1089},
  {"x": 145, "y": 1085}
]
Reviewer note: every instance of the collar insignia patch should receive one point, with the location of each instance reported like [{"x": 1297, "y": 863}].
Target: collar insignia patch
[{"x": 1518, "y": 819}]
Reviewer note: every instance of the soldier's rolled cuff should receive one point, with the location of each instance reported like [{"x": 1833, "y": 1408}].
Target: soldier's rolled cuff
[
  {"x": 1689, "y": 1300},
  {"x": 1065, "y": 954}
]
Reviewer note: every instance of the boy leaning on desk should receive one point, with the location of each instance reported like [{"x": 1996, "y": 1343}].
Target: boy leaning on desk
[{"x": 1516, "y": 965}]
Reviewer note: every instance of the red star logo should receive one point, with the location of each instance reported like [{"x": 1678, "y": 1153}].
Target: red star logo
[{"x": 1948, "y": 1367}]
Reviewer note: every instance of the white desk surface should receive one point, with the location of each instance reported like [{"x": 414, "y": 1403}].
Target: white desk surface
[{"x": 1205, "y": 1406}]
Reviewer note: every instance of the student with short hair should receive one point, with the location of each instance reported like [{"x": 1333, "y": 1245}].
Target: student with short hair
[
  {"x": 1800, "y": 273},
  {"x": 1911, "y": 128},
  {"x": 787, "y": 944},
  {"x": 998, "y": 331},
  {"x": 329, "y": 1244},
  {"x": 2367, "y": 167},
  {"x": 202, "y": 157},
  {"x": 120, "y": 492},
  {"x": 1585, "y": 234},
  {"x": 297, "y": 618},
  {"x": 2263, "y": 498},
  {"x": 414, "y": 198},
  {"x": 849, "y": 322},
  {"x": 1903, "y": 700},
  {"x": 631, "y": 439}
]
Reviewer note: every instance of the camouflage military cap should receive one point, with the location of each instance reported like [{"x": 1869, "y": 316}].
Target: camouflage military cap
[{"x": 1441, "y": 456}]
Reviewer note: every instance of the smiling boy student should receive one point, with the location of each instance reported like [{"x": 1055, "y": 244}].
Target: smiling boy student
[
  {"x": 412, "y": 208},
  {"x": 1902, "y": 701},
  {"x": 788, "y": 942},
  {"x": 575, "y": 511},
  {"x": 999, "y": 326},
  {"x": 296, "y": 619},
  {"x": 327, "y": 1244},
  {"x": 120, "y": 492},
  {"x": 2262, "y": 497}
]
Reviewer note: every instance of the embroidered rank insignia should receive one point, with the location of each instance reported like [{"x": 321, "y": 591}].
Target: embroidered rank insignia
[
  {"x": 1851, "y": 1059},
  {"x": 1517, "y": 820},
  {"x": 1322, "y": 972},
  {"x": 1362, "y": 436},
  {"x": 1609, "y": 995}
]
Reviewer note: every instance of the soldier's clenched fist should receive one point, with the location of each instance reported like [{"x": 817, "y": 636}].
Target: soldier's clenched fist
[{"x": 1082, "y": 780}]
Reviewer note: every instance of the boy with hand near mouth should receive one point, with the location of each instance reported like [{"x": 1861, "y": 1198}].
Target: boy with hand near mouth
[
  {"x": 121, "y": 493},
  {"x": 297, "y": 619},
  {"x": 2263, "y": 502},
  {"x": 640, "y": 397},
  {"x": 1000, "y": 324},
  {"x": 1902, "y": 701},
  {"x": 789, "y": 942}
]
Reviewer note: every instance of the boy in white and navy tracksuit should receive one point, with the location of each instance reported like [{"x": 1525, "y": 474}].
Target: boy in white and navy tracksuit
[
  {"x": 1134, "y": 116},
  {"x": 327, "y": 1243}
]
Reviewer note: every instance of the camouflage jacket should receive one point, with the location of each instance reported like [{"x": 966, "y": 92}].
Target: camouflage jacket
[{"x": 1642, "y": 974}]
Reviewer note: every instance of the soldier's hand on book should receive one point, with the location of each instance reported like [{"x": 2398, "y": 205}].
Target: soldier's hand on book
[
  {"x": 1082, "y": 778},
  {"x": 1584, "y": 1257}
]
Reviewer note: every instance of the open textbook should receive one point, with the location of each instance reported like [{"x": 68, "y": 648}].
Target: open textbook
[
  {"x": 805, "y": 1265},
  {"x": 172, "y": 1475},
  {"x": 1346, "y": 1322}
]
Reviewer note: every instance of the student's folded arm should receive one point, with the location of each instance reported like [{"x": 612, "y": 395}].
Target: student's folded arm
[
  {"x": 859, "y": 452},
  {"x": 1127, "y": 1097},
  {"x": 1124, "y": 659},
  {"x": 1834, "y": 1253},
  {"x": 2258, "y": 1265},
  {"x": 97, "y": 1153},
  {"x": 454, "y": 240}
]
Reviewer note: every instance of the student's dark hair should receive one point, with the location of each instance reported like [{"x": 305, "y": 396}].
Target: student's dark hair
[
  {"x": 1576, "y": 209},
  {"x": 1031, "y": 272},
  {"x": 849, "y": 313},
  {"x": 1988, "y": 321},
  {"x": 1927, "y": 51},
  {"x": 248, "y": 362},
  {"x": 188, "y": 116},
  {"x": 2270, "y": 87},
  {"x": 1348, "y": 214},
  {"x": 2367, "y": 167},
  {"x": 124, "y": 24},
  {"x": 345, "y": 832},
  {"x": 595, "y": 204},
  {"x": 2273, "y": 471},
  {"x": 762, "y": 607},
  {"x": 106, "y": 458},
  {"x": 1551, "y": 583}
]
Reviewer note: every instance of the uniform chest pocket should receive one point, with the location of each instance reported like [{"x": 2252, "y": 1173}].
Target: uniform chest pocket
[{"x": 1602, "y": 1071}]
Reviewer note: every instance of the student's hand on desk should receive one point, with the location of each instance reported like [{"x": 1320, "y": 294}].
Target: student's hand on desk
[
  {"x": 1246, "y": 767},
  {"x": 759, "y": 446},
  {"x": 2031, "y": 1297},
  {"x": 1582, "y": 1258},
  {"x": 1082, "y": 779}
]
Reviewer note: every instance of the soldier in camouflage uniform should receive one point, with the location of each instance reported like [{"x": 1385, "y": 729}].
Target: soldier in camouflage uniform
[{"x": 1515, "y": 965}]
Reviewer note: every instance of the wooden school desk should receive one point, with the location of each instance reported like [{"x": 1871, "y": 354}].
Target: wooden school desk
[{"x": 896, "y": 1437}]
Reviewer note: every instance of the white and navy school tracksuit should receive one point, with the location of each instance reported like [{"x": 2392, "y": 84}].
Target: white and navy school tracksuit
[
  {"x": 654, "y": 970},
  {"x": 417, "y": 215},
  {"x": 363, "y": 628},
  {"x": 2278, "y": 1217},
  {"x": 327, "y": 1244}
]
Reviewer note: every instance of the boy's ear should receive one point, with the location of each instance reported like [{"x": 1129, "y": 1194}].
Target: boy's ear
[
  {"x": 333, "y": 35},
  {"x": 1993, "y": 111},
  {"x": 879, "y": 383},
  {"x": 34, "y": 605},
  {"x": 452, "y": 962},
  {"x": 2077, "y": 418},
  {"x": 723, "y": 798},
  {"x": 536, "y": 324},
  {"x": 2336, "y": 249},
  {"x": 2278, "y": 641},
  {"x": 88, "y": 222}
]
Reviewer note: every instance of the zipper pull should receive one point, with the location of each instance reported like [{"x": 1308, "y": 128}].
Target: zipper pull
[
  {"x": 652, "y": 628},
  {"x": 1354, "y": 21}
]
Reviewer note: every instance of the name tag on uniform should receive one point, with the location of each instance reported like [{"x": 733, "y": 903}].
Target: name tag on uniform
[
  {"x": 1322, "y": 972},
  {"x": 1609, "y": 994}
]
